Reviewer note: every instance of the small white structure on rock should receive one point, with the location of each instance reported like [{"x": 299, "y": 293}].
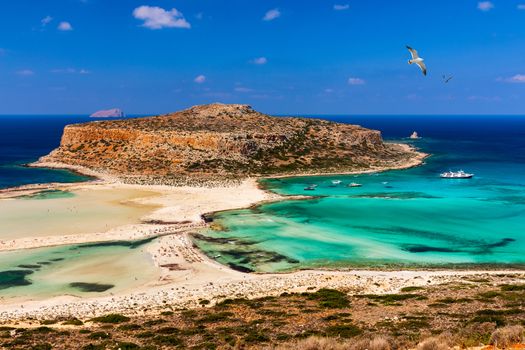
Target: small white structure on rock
[{"x": 414, "y": 136}]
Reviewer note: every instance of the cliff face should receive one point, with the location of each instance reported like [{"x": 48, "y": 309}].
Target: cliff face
[{"x": 226, "y": 140}]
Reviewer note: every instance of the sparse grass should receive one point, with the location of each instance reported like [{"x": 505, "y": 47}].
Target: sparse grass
[
  {"x": 99, "y": 335},
  {"x": 343, "y": 331},
  {"x": 111, "y": 318},
  {"x": 411, "y": 289},
  {"x": 330, "y": 298},
  {"x": 506, "y": 336},
  {"x": 327, "y": 318},
  {"x": 73, "y": 322},
  {"x": 433, "y": 344},
  {"x": 513, "y": 287},
  {"x": 392, "y": 299}
]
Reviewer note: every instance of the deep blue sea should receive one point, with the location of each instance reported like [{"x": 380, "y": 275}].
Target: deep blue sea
[{"x": 23, "y": 139}]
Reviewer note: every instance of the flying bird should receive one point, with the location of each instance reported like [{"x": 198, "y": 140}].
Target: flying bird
[
  {"x": 417, "y": 60},
  {"x": 447, "y": 79}
]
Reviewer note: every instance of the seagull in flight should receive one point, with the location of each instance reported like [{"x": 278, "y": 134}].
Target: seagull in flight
[
  {"x": 417, "y": 60},
  {"x": 447, "y": 79}
]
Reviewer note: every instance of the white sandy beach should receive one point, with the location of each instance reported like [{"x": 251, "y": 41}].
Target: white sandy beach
[{"x": 186, "y": 274}]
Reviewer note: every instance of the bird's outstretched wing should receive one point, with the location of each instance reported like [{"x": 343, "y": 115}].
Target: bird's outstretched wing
[
  {"x": 413, "y": 52},
  {"x": 423, "y": 67}
]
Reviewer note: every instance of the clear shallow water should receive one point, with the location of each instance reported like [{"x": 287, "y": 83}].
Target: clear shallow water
[
  {"x": 82, "y": 270},
  {"x": 58, "y": 213},
  {"x": 409, "y": 217}
]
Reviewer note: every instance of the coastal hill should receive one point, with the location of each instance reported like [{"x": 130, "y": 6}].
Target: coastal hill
[{"x": 223, "y": 141}]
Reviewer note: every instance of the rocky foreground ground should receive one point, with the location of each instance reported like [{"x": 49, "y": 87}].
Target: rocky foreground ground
[{"x": 475, "y": 311}]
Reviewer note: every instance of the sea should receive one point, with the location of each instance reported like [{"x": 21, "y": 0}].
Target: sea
[
  {"x": 23, "y": 139},
  {"x": 404, "y": 218},
  {"x": 396, "y": 219}
]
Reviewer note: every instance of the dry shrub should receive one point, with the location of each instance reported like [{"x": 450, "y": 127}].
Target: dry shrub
[
  {"x": 435, "y": 343},
  {"x": 314, "y": 343},
  {"x": 506, "y": 336},
  {"x": 377, "y": 343},
  {"x": 318, "y": 343}
]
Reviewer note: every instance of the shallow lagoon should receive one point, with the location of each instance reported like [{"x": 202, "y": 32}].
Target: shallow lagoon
[
  {"x": 81, "y": 270},
  {"x": 400, "y": 218},
  {"x": 57, "y": 213}
]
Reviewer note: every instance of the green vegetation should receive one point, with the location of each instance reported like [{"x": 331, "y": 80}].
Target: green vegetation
[
  {"x": 411, "y": 289},
  {"x": 513, "y": 288},
  {"x": 343, "y": 331},
  {"x": 111, "y": 318},
  {"x": 330, "y": 298},
  {"x": 392, "y": 299},
  {"x": 491, "y": 312}
]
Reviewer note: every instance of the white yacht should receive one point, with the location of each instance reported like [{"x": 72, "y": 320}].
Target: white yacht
[
  {"x": 456, "y": 175},
  {"x": 354, "y": 184},
  {"x": 336, "y": 182}
]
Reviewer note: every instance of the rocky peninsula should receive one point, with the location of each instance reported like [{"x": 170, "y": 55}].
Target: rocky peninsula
[
  {"x": 201, "y": 160},
  {"x": 218, "y": 142}
]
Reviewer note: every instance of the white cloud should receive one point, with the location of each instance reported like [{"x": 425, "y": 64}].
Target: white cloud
[
  {"x": 65, "y": 26},
  {"x": 46, "y": 20},
  {"x": 271, "y": 15},
  {"x": 25, "y": 72},
  {"x": 518, "y": 78},
  {"x": 157, "y": 18},
  {"x": 200, "y": 79},
  {"x": 242, "y": 89},
  {"x": 485, "y": 6},
  {"x": 521, "y": 6},
  {"x": 260, "y": 60},
  {"x": 70, "y": 71},
  {"x": 356, "y": 81},
  {"x": 338, "y": 7}
]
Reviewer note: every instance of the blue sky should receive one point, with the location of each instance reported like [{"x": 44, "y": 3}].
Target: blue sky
[{"x": 280, "y": 56}]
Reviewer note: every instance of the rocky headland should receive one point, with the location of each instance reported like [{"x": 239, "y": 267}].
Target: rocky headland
[{"x": 217, "y": 141}]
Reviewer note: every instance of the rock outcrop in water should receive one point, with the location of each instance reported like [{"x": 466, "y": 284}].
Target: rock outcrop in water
[
  {"x": 109, "y": 113},
  {"x": 223, "y": 141}
]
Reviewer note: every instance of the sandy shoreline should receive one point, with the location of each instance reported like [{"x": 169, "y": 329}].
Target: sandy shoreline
[{"x": 187, "y": 276}]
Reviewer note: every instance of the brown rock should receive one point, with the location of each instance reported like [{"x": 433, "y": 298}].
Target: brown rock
[{"x": 219, "y": 140}]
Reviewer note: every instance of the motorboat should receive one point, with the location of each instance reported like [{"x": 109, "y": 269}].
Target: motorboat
[{"x": 456, "y": 175}]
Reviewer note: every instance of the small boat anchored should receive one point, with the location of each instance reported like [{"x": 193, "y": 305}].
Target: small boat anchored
[
  {"x": 336, "y": 182},
  {"x": 456, "y": 175},
  {"x": 310, "y": 188},
  {"x": 354, "y": 184}
]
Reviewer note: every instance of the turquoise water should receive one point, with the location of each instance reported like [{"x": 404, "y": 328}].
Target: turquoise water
[
  {"x": 49, "y": 194},
  {"x": 410, "y": 218},
  {"x": 84, "y": 269}
]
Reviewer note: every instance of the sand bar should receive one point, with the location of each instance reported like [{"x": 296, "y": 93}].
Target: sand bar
[{"x": 187, "y": 276}]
